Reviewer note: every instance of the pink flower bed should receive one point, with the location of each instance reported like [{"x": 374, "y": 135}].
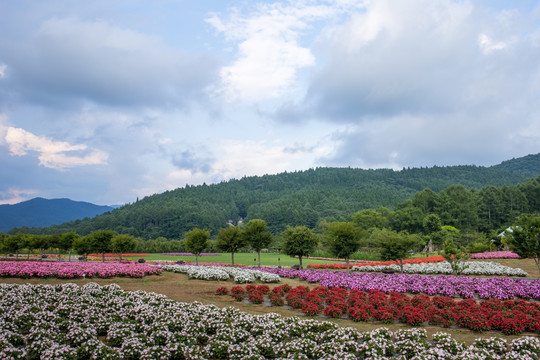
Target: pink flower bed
[
  {"x": 496, "y": 255},
  {"x": 71, "y": 270}
]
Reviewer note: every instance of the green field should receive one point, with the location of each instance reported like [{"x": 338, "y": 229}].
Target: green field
[{"x": 267, "y": 259}]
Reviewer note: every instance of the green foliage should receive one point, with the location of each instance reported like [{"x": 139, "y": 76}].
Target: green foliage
[
  {"x": 331, "y": 194},
  {"x": 371, "y": 219},
  {"x": 344, "y": 239},
  {"x": 396, "y": 246},
  {"x": 299, "y": 241},
  {"x": 196, "y": 241},
  {"x": 100, "y": 241},
  {"x": 123, "y": 243},
  {"x": 432, "y": 223},
  {"x": 257, "y": 236},
  {"x": 230, "y": 239},
  {"x": 524, "y": 237},
  {"x": 456, "y": 256}
]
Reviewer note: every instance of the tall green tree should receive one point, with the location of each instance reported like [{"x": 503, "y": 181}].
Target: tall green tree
[
  {"x": 230, "y": 239},
  {"x": 370, "y": 219},
  {"x": 65, "y": 242},
  {"x": 257, "y": 236},
  {"x": 100, "y": 241},
  {"x": 397, "y": 246},
  {"x": 524, "y": 239},
  {"x": 454, "y": 254},
  {"x": 196, "y": 241},
  {"x": 299, "y": 241},
  {"x": 123, "y": 243},
  {"x": 344, "y": 240}
]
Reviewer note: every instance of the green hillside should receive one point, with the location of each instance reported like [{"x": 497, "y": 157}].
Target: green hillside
[{"x": 292, "y": 198}]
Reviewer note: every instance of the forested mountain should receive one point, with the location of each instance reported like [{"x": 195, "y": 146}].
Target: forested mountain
[
  {"x": 307, "y": 197},
  {"x": 40, "y": 212}
]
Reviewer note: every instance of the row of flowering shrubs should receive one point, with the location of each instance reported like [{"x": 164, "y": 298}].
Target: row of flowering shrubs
[
  {"x": 426, "y": 260},
  {"x": 92, "y": 322},
  {"x": 509, "y": 316},
  {"x": 190, "y": 254},
  {"x": 470, "y": 268},
  {"x": 496, "y": 255},
  {"x": 72, "y": 270},
  {"x": 117, "y": 255},
  {"x": 239, "y": 275},
  {"x": 455, "y": 286}
]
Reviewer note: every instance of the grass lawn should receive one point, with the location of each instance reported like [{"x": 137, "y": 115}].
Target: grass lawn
[{"x": 241, "y": 258}]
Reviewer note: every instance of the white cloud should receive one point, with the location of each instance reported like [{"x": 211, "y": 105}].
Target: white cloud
[
  {"x": 16, "y": 195},
  {"x": 488, "y": 45},
  {"x": 52, "y": 154},
  {"x": 105, "y": 64},
  {"x": 269, "y": 51},
  {"x": 3, "y": 68}
]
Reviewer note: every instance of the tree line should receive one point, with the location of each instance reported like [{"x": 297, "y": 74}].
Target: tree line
[{"x": 317, "y": 195}]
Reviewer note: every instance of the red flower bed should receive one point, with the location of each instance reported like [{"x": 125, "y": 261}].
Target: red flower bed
[
  {"x": 431, "y": 259},
  {"x": 509, "y": 316}
]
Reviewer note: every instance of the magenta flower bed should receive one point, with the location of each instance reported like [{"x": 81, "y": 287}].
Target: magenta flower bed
[
  {"x": 191, "y": 254},
  {"x": 496, "y": 255},
  {"x": 71, "y": 270},
  {"x": 455, "y": 286}
]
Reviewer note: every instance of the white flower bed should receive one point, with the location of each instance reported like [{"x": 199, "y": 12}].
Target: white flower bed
[
  {"x": 69, "y": 322},
  {"x": 473, "y": 268},
  {"x": 239, "y": 275}
]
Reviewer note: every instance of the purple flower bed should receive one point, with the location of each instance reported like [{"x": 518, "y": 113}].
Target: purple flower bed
[
  {"x": 191, "y": 254},
  {"x": 71, "y": 270},
  {"x": 455, "y": 286},
  {"x": 496, "y": 255}
]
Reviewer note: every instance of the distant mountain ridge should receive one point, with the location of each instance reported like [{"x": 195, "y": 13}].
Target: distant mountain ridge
[
  {"x": 293, "y": 198},
  {"x": 40, "y": 212}
]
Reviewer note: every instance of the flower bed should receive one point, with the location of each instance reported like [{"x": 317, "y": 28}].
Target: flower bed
[
  {"x": 190, "y": 254},
  {"x": 510, "y": 317},
  {"x": 71, "y": 270},
  {"x": 426, "y": 260},
  {"x": 117, "y": 255},
  {"x": 455, "y": 286},
  {"x": 496, "y": 255},
  {"x": 239, "y": 275},
  {"x": 470, "y": 268},
  {"x": 69, "y": 322}
]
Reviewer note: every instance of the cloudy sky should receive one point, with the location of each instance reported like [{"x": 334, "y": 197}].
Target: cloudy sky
[{"x": 106, "y": 101}]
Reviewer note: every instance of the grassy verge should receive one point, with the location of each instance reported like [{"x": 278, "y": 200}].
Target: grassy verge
[{"x": 267, "y": 259}]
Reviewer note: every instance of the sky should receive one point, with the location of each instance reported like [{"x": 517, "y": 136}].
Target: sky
[{"x": 109, "y": 101}]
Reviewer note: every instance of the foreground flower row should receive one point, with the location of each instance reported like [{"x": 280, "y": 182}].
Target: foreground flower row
[
  {"x": 455, "y": 286},
  {"x": 71, "y": 270},
  {"x": 508, "y": 316},
  {"x": 426, "y": 260},
  {"x": 239, "y": 275},
  {"x": 470, "y": 268},
  {"x": 68, "y": 322}
]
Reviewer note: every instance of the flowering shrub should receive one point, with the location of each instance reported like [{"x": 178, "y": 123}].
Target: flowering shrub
[
  {"x": 117, "y": 255},
  {"x": 190, "y": 254},
  {"x": 140, "y": 325},
  {"x": 238, "y": 293},
  {"x": 222, "y": 291},
  {"x": 510, "y": 317},
  {"x": 470, "y": 268},
  {"x": 239, "y": 275},
  {"x": 495, "y": 255},
  {"x": 454, "y": 286},
  {"x": 426, "y": 260},
  {"x": 72, "y": 270}
]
